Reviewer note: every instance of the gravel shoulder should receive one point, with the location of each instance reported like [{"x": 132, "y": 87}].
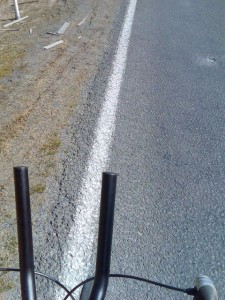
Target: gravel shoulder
[{"x": 39, "y": 93}]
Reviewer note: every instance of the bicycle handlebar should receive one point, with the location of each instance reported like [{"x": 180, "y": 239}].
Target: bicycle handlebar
[{"x": 205, "y": 289}]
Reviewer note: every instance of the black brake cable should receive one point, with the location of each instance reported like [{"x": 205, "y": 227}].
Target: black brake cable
[
  {"x": 188, "y": 291},
  {"x": 42, "y": 275}
]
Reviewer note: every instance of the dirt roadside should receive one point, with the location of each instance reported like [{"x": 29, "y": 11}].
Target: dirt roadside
[{"x": 39, "y": 92}]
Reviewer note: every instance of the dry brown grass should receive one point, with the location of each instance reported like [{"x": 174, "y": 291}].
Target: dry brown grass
[
  {"x": 13, "y": 128},
  {"x": 10, "y": 55},
  {"x": 39, "y": 91},
  {"x": 51, "y": 146},
  {"x": 37, "y": 189}
]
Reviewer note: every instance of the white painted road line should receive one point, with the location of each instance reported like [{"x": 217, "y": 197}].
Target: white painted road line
[{"x": 77, "y": 257}]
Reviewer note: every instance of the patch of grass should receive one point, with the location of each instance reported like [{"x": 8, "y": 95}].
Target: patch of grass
[
  {"x": 37, "y": 189},
  {"x": 51, "y": 146},
  {"x": 50, "y": 164},
  {"x": 12, "y": 245},
  {"x": 13, "y": 127},
  {"x": 2, "y": 189},
  {"x": 2, "y": 88},
  {"x": 10, "y": 249},
  {"x": 5, "y": 284},
  {"x": 9, "y": 56}
]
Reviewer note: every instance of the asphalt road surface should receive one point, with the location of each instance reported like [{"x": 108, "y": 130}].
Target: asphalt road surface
[
  {"x": 168, "y": 148},
  {"x": 165, "y": 137}
]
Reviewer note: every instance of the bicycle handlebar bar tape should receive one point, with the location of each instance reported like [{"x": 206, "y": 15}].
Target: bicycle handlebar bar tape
[
  {"x": 105, "y": 233},
  {"x": 205, "y": 289},
  {"x": 24, "y": 228}
]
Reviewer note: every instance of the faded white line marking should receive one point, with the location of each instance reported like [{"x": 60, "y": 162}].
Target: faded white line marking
[{"x": 76, "y": 260}]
